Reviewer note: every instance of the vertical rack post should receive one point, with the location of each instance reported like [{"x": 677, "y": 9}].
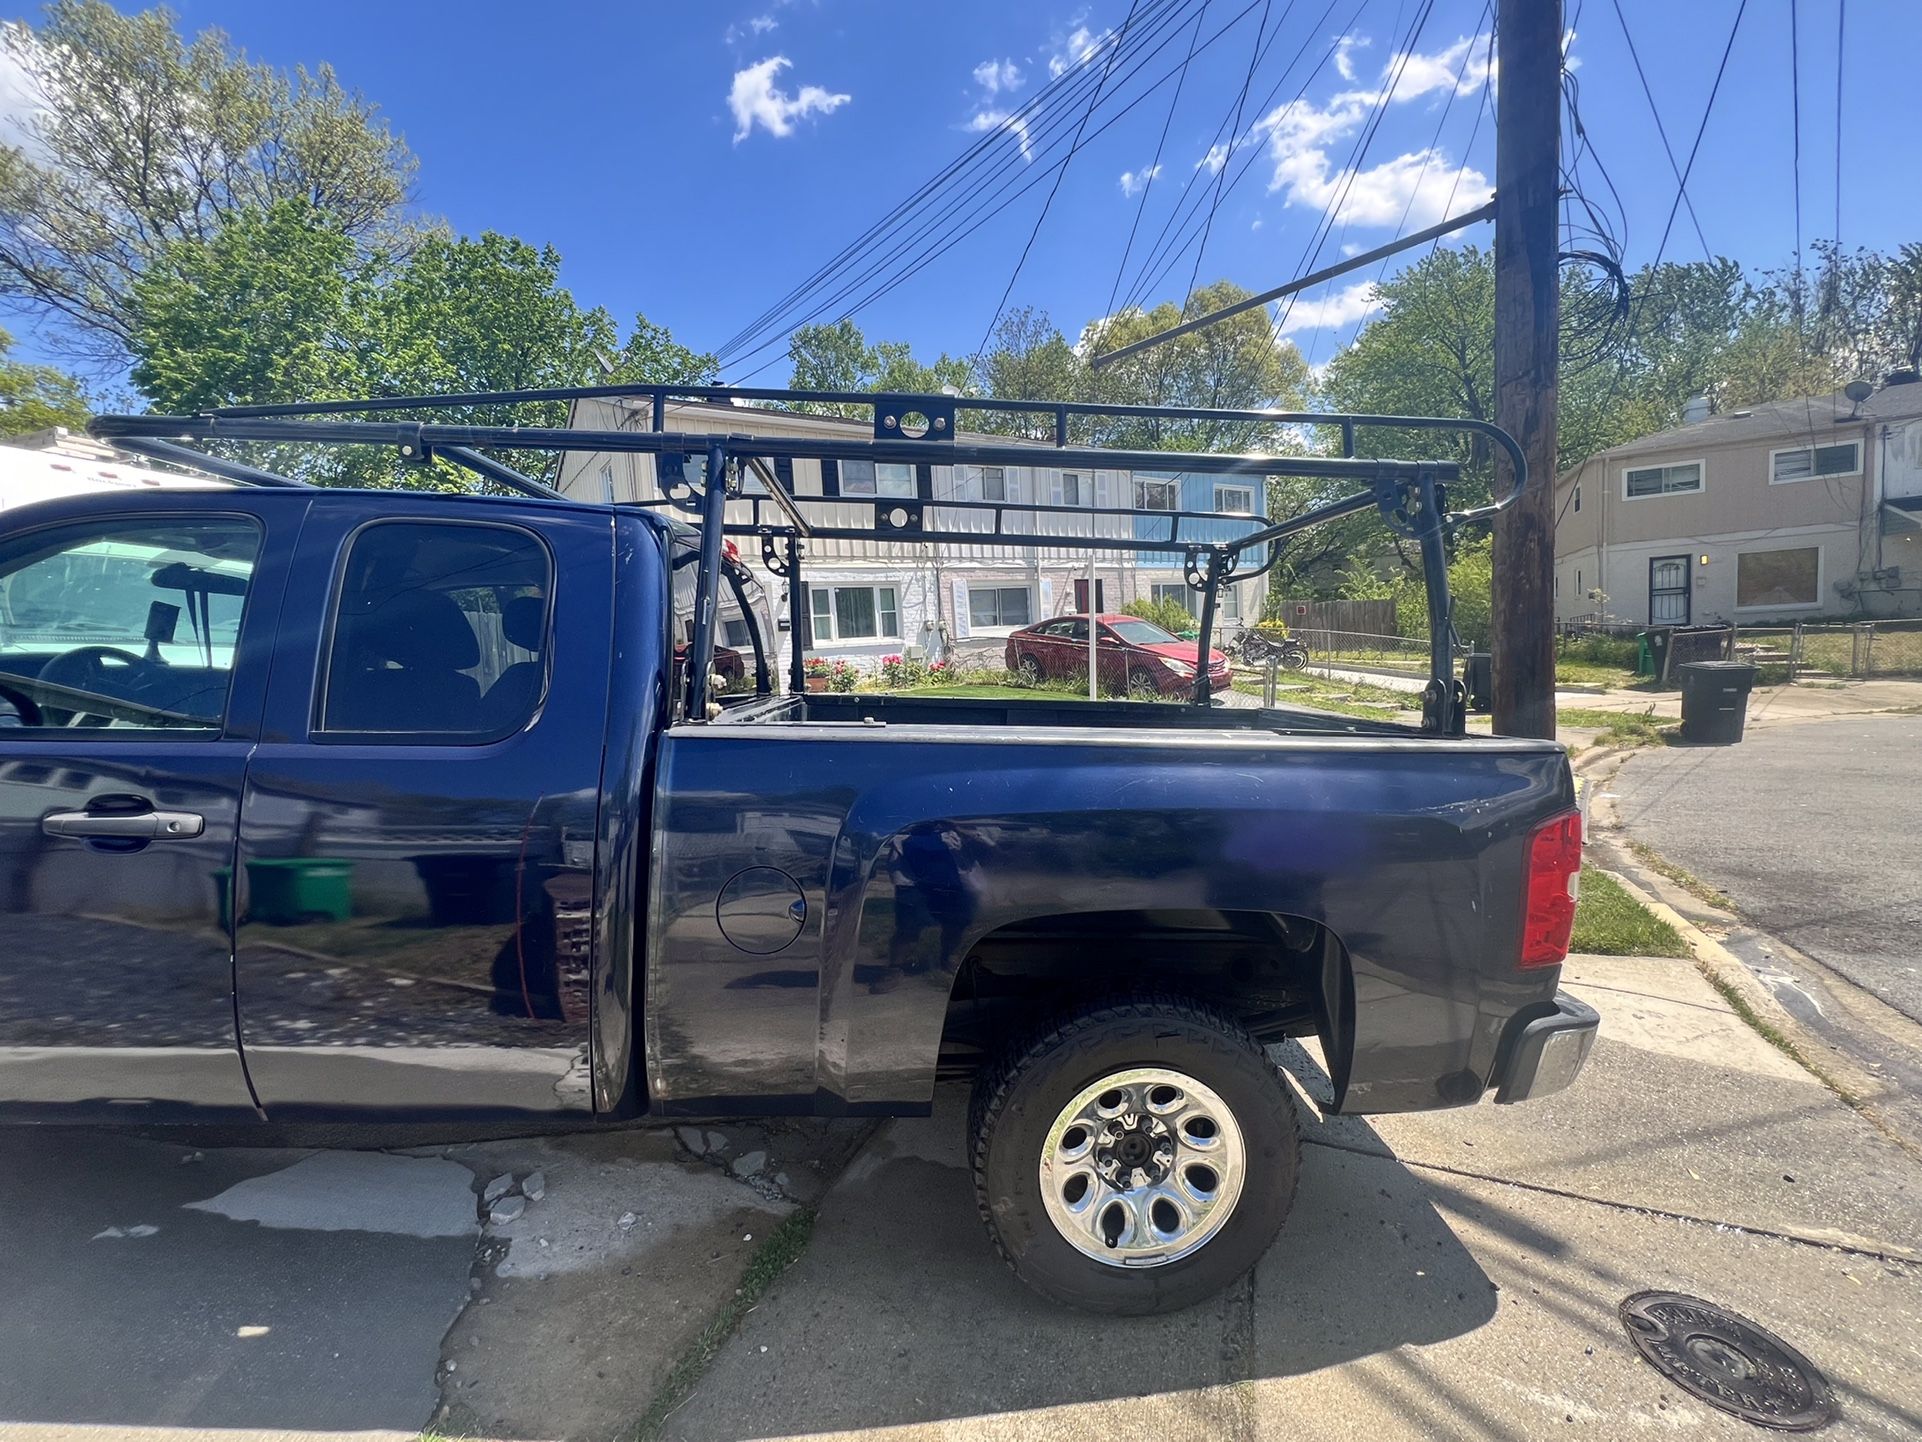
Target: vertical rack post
[
  {"x": 707, "y": 583},
  {"x": 1442, "y": 711},
  {"x": 1204, "y": 692},
  {"x": 797, "y": 618}
]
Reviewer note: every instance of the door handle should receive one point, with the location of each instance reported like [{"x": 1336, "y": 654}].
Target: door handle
[{"x": 137, "y": 826}]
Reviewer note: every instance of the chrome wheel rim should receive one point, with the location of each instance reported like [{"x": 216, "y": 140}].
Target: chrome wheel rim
[{"x": 1142, "y": 1168}]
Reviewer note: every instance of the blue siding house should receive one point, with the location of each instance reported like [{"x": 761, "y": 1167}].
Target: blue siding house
[{"x": 1160, "y": 577}]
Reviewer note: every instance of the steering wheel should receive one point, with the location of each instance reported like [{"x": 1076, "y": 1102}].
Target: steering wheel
[{"x": 86, "y": 668}]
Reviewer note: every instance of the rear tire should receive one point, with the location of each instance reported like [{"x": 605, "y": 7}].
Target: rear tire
[
  {"x": 1294, "y": 658},
  {"x": 1135, "y": 1157},
  {"x": 1029, "y": 670}
]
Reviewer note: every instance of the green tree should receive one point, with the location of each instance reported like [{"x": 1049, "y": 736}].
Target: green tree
[
  {"x": 34, "y": 397},
  {"x": 141, "y": 140},
  {"x": 279, "y": 305},
  {"x": 264, "y": 310},
  {"x": 652, "y": 356},
  {"x": 837, "y": 357}
]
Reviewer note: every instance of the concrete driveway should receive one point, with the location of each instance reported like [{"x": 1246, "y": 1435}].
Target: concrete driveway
[
  {"x": 1452, "y": 1274},
  {"x": 1447, "y": 1275},
  {"x": 1813, "y": 830}
]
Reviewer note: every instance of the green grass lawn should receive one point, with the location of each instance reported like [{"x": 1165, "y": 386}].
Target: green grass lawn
[
  {"x": 1610, "y": 922},
  {"x": 1620, "y": 728}
]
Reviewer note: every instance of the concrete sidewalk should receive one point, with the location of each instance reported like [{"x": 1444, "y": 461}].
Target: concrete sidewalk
[{"x": 1443, "y": 1275}]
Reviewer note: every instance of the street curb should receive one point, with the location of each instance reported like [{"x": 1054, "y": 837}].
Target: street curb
[{"x": 1753, "y": 1001}]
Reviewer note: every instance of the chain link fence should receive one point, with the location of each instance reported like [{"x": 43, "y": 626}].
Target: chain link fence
[{"x": 1855, "y": 650}]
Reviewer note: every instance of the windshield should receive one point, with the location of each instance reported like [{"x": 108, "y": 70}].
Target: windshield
[{"x": 1143, "y": 633}]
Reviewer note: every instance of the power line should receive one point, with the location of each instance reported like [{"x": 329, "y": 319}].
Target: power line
[
  {"x": 1164, "y": 255},
  {"x": 1795, "y": 125},
  {"x": 1360, "y": 152},
  {"x": 1841, "y": 34},
  {"x": 1154, "y": 166},
  {"x": 1648, "y": 92},
  {"x": 1140, "y": 285},
  {"x": 961, "y": 227},
  {"x": 1032, "y": 124},
  {"x": 1241, "y": 102},
  {"x": 1059, "y": 175},
  {"x": 1681, "y": 188}
]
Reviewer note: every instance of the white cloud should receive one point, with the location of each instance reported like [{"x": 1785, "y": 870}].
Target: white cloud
[
  {"x": 755, "y": 101},
  {"x": 994, "y": 75},
  {"x": 756, "y": 25},
  {"x": 1216, "y": 157},
  {"x": 1344, "y": 54},
  {"x": 1133, "y": 182},
  {"x": 1300, "y": 132},
  {"x": 1332, "y": 309},
  {"x": 983, "y": 121},
  {"x": 1417, "y": 185},
  {"x": 1080, "y": 46},
  {"x": 1255, "y": 224}
]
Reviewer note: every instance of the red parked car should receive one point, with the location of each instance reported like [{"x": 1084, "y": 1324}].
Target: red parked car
[{"x": 1133, "y": 655}]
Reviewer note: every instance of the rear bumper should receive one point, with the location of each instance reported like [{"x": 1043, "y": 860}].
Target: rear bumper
[{"x": 1548, "y": 1052}]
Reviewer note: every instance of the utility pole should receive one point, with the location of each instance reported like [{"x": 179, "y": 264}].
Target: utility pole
[{"x": 1527, "y": 342}]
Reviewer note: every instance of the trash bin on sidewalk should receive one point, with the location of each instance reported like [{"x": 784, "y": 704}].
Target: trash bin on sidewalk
[
  {"x": 1715, "y": 701},
  {"x": 1478, "y": 677}
]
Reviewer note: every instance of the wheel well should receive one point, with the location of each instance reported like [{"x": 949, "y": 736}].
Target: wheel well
[{"x": 1279, "y": 975}]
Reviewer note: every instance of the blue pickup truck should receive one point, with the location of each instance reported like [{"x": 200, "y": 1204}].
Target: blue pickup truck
[{"x": 370, "y": 805}]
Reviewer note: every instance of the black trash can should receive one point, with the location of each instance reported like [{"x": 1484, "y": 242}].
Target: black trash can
[
  {"x": 1478, "y": 677},
  {"x": 1715, "y": 701}
]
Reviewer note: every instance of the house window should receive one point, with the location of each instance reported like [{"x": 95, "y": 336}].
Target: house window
[
  {"x": 1778, "y": 578},
  {"x": 998, "y": 606},
  {"x": 1157, "y": 495},
  {"x": 607, "y": 483},
  {"x": 1175, "y": 591},
  {"x": 1662, "y": 480},
  {"x": 1802, "y": 463},
  {"x": 1070, "y": 488},
  {"x": 876, "y": 478},
  {"x": 1228, "y": 604},
  {"x": 994, "y": 483},
  {"x": 1234, "y": 498},
  {"x": 855, "y": 613}
]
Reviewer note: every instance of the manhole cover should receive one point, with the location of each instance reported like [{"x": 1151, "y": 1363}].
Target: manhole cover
[{"x": 1728, "y": 1361}]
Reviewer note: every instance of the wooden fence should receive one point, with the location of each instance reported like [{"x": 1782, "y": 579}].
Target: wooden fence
[{"x": 1374, "y": 618}]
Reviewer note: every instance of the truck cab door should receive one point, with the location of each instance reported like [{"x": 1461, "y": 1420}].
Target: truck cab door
[
  {"x": 133, "y": 651},
  {"x": 417, "y": 837}
]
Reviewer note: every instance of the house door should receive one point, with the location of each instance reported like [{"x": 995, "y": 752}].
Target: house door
[
  {"x": 1081, "y": 595},
  {"x": 1668, "y": 591}
]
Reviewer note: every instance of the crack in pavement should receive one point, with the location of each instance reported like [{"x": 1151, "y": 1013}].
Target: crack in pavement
[{"x": 1900, "y": 1257}]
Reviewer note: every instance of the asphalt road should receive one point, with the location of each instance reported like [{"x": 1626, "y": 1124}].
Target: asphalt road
[{"x": 1814, "y": 831}]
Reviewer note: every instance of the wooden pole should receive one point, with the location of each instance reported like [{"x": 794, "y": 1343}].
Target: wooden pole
[{"x": 1527, "y": 321}]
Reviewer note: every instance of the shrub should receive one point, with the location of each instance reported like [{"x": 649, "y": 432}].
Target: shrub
[{"x": 898, "y": 672}]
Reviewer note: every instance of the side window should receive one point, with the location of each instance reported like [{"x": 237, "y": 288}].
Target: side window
[
  {"x": 123, "y": 626},
  {"x": 440, "y": 633}
]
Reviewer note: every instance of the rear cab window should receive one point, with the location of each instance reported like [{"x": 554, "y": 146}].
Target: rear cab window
[{"x": 440, "y": 634}]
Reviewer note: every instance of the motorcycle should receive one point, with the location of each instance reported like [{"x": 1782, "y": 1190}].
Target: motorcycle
[{"x": 1257, "y": 649}]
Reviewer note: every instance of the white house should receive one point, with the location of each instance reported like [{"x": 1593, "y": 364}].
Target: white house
[{"x": 868, "y": 599}]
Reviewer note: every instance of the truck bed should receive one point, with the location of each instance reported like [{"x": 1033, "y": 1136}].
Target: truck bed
[{"x": 1052, "y": 710}]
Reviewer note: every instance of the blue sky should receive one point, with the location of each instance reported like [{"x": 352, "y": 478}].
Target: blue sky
[{"x": 695, "y": 161}]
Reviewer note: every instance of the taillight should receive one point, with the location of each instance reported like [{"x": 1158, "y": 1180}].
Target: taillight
[{"x": 1554, "y": 875}]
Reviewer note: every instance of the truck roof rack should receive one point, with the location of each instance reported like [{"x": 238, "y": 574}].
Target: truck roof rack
[{"x": 1409, "y": 496}]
